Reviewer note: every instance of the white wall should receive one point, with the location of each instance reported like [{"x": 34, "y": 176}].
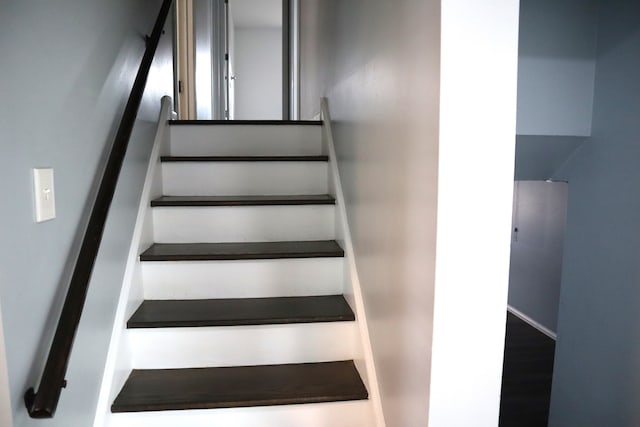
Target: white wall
[
  {"x": 258, "y": 71},
  {"x": 477, "y": 128},
  {"x": 597, "y": 369},
  {"x": 415, "y": 130},
  {"x": 539, "y": 214},
  {"x": 67, "y": 71},
  {"x": 557, "y": 66}
]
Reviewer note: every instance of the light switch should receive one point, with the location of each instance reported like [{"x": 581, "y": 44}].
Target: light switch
[{"x": 45, "y": 202}]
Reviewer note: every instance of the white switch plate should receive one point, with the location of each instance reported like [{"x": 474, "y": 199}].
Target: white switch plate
[{"x": 45, "y": 201}]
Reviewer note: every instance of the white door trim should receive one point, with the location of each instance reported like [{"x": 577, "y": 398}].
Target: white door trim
[{"x": 186, "y": 59}]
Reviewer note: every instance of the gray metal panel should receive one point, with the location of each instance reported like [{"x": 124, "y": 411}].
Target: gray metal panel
[
  {"x": 209, "y": 36},
  {"x": 218, "y": 63},
  {"x": 294, "y": 58}
]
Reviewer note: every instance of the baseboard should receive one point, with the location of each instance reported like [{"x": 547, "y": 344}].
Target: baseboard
[
  {"x": 548, "y": 332},
  {"x": 114, "y": 373}
]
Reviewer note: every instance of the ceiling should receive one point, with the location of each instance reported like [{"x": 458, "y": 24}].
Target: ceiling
[{"x": 256, "y": 13}]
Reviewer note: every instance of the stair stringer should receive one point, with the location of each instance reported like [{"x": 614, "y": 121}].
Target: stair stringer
[
  {"x": 119, "y": 361},
  {"x": 352, "y": 290}
]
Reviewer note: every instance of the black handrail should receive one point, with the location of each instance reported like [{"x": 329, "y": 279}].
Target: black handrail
[{"x": 43, "y": 403}]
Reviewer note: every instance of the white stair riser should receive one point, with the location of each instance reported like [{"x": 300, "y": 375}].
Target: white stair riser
[
  {"x": 244, "y": 178},
  {"x": 239, "y": 140},
  {"x": 243, "y": 279},
  {"x": 334, "y": 414},
  {"x": 243, "y": 223},
  {"x": 241, "y": 345}
]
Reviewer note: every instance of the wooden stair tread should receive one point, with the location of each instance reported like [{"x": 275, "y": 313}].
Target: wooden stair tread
[
  {"x": 241, "y": 251},
  {"x": 240, "y": 311},
  {"x": 167, "y": 159},
  {"x": 246, "y": 122},
  {"x": 302, "y": 199},
  {"x": 239, "y": 386}
]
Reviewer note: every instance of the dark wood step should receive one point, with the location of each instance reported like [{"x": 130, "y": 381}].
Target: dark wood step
[
  {"x": 167, "y": 159},
  {"x": 240, "y": 311},
  {"x": 241, "y": 251},
  {"x": 246, "y": 122},
  {"x": 239, "y": 386},
  {"x": 303, "y": 199}
]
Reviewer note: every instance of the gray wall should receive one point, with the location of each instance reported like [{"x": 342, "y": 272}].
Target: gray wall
[
  {"x": 539, "y": 158},
  {"x": 556, "y": 67},
  {"x": 67, "y": 70},
  {"x": 539, "y": 214},
  {"x": 597, "y": 375}
]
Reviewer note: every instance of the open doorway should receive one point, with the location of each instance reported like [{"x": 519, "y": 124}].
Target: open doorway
[
  {"x": 236, "y": 59},
  {"x": 256, "y": 59},
  {"x": 539, "y": 222},
  {"x": 556, "y": 80},
  {"x": 538, "y": 232}
]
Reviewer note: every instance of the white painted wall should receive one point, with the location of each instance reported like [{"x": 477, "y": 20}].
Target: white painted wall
[
  {"x": 556, "y": 71},
  {"x": 539, "y": 214},
  {"x": 258, "y": 71},
  {"x": 67, "y": 71},
  {"x": 477, "y": 128},
  {"x": 381, "y": 62},
  {"x": 415, "y": 130}
]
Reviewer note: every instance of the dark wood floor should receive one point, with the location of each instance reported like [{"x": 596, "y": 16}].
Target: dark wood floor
[
  {"x": 239, "y": 386},
  {"x": 241, "y": 311},
  {"x": 241, "y": 250},
  {"x": 526, "y": 378}
]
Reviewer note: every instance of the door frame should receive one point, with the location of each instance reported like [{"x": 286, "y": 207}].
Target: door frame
[
  {"x": 286, "y": 61},
  {"x": 293, "y": 59},
  {"x": 185, "y": 60}
]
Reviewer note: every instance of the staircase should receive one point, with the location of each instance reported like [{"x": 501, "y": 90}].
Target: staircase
[{"x": 242, "y": 321}]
